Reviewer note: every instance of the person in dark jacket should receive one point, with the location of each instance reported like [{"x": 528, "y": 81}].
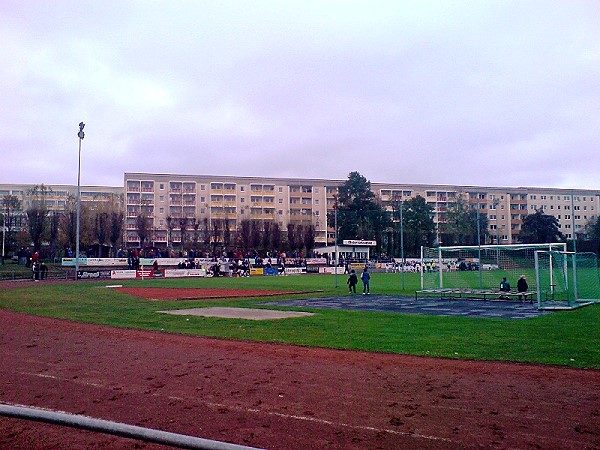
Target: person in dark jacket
[
  {"x": 352, "y": 281},
  {"x": 504, "y": 287},
  {"x": 522, "y": 287}
]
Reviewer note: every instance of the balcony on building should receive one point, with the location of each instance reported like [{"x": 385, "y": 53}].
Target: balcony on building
[
  {"x": 133, "y": 186},
  {"x": 147, "y": 186}
]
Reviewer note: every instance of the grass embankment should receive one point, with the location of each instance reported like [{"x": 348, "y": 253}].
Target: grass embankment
[{"x": 570, "y": 338}]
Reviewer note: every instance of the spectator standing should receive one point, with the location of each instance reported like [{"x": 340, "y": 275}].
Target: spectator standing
[
  {"x": 352, "y": 281},
  {"x": 366, "y": 278},
  {"x": 43, "y": 271}
]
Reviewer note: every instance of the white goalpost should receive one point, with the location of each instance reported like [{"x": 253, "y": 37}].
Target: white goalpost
[
  {"x": 572, "y": 279},
  {"x": 481, "y": 267}
]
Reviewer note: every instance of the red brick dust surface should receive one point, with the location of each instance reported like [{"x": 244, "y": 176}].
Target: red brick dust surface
[
  {"x": 153, "y": 293},
  {"x": 281, "y": 396}
]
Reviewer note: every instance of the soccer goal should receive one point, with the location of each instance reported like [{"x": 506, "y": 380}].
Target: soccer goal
[
  {"x": 481, "y": 267},
  {"x": 566, "y": 280}
]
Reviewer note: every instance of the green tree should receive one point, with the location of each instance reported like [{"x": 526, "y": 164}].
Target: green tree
[
  {"x": 461, "y": 224},
  {"x": 418, "y": 225},
  {"x": 359, "y": 215},
  {"x": 540, "y": 228},
  {"x": 593, "y": 228}
]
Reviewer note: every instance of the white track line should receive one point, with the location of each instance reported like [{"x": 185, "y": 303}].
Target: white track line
[{"x": 260, "y": 411}]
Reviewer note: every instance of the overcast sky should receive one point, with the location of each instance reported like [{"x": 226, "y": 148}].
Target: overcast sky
[{"x": 493, "y": 93}]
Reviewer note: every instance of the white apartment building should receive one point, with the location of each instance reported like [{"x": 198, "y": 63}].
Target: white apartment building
[
  {"x": 231, "y": 199},
  {"x": 56, "y": 197},
  {"x": 226, "y": 199}
]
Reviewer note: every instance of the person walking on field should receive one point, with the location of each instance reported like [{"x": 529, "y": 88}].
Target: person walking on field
[
  {"x": 352, "y": 281},
  {"x": 365, "y": 278}
]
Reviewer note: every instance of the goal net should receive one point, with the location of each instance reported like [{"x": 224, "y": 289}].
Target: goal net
[
  {"x": 567, "y": 280},
  {"x": 480, "y": 267}
]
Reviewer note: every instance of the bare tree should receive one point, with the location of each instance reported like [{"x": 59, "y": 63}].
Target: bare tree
[
  {"x": 255, "y": 235},
  {"x": 101, "y": 227},
  {"x": 10, "y": 206},
  {"x": 37, "y": 214},
  {"x": 55, "y": 220},
  {"x": 196, "y": 226},
  {"x": 276, "y": 236},
  {"x": 266, "y": 235},
  {"x": 143, "y": 230},
  {"x": 309, "y": 238},
  {"x": 182, "y": 227},
  {"x": 292, "y": 233},
  {"x": 244, "y": 235},
  {"x": 207, "y": 234},
  {"x": 226, "y": 236},
  {"x": 116, "y": 228},
  {"x": 216, "y": 235}
]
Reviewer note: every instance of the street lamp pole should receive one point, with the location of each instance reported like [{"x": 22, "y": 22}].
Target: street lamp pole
[
  {"x": 496, "y": 203},
  {"x": 337, "y": 258},
  {"x": 479, "y": 244},
  {"x": 3, "y": 235},
  {"x": 80, "y": 135},
  {"x": 402, "y": 240}
]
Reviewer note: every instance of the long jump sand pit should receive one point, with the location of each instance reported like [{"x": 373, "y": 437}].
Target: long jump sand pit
[{"x": 238, "y": 313}]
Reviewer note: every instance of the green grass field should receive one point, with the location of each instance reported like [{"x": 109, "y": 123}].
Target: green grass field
[{"x": 569, "y": 338}]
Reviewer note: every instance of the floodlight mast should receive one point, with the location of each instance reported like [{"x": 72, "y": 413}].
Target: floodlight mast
[{"x": 80, "y": 135}]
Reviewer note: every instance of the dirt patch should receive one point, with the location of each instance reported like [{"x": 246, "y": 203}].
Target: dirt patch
[
  {"x": 151, "y": 293},
  {"x": 281, "y": 396},
  {"x": 238, "y": 313}
]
